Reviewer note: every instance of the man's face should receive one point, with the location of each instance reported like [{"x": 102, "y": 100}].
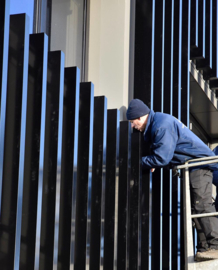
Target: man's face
[{"x": 138, "y": 124}]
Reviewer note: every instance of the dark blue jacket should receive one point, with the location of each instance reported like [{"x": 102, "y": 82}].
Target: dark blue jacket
[{"x": 172, "y": 143}]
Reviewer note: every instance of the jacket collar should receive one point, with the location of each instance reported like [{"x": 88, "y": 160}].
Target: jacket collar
[{"x": 147, "y": 132}]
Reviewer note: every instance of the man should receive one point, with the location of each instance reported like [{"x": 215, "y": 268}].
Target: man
[{"x": 172, "y": 143}]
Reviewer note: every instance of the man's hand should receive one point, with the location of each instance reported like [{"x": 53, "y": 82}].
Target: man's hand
[{"x": 152, "y": 170}]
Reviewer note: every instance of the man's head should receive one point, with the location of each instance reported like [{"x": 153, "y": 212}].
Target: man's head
[{"x": 137, "y": 114}]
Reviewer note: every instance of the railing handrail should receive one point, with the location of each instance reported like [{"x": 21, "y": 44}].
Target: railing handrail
[{"x": 195, "y": 162}]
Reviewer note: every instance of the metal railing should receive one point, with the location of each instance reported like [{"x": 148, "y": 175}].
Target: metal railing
[{"x": 189, "y": 251}]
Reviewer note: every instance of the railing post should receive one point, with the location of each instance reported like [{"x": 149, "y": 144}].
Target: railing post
[{"x": 187, "y": 220}]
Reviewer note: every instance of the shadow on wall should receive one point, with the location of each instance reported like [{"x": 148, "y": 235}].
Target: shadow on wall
[{"x": 122, "y": 113}]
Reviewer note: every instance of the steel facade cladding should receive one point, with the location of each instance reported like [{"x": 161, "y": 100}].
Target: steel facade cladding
[
  {"x": 4, "y": 47},
  {"x": 168, "y": 34},
  {"x": 72, "y": 192}
]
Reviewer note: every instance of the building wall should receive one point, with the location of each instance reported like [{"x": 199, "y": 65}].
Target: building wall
[
  {"x": 107, "y": 44},
  {"x": 108, "y": 50}
]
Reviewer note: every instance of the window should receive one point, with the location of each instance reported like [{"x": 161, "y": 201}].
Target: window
[{"x": 68, "y": 19}]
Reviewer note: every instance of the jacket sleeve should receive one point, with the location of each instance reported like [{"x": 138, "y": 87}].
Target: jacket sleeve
[
  {"x": 163, "y": 147},
  {"x": 215, "y": 150}
]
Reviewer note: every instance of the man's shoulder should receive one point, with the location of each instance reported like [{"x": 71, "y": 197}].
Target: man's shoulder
[
  {"x": 163, "y": 120},
  {"x": 163, "y": 115}
]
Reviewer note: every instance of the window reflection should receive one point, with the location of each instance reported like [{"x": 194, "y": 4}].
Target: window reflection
[{"x": 67, "y": 30}]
